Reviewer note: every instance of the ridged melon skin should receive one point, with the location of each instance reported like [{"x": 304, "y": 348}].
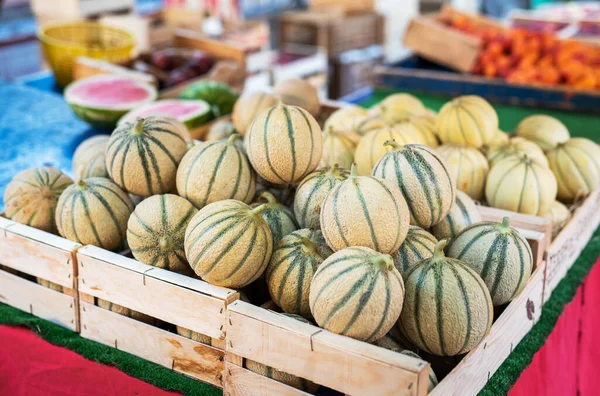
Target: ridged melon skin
[
  {"x": 500, "y": 138},
  {"x": 462, "y": 214},
  {"x": 499, "y": 254},
  {"x": 365, "y": 211},
  {"x": 545, "y": 131},
  {"x": 156, "y": 230},
  {"x": 520, "y": 184},
  {"x": 220, "y": 130},
  {"x": 423, "y": 179},
  {"x": 32, "y": 196},
  {"x": 515, "y": 147},
  {"x": 357, "y": 292},
  {"x": 447, "y": 308},
  {"x": 228, "y": 244},
  {"x": 142, "y": 157},
  {"x": 193, "y": 335},
  {"x": 214, "y": 171},
  {"x": 467, "y": 120},
  {"x": 425, "y": 125},
  {"x": 301, "y": 93},
  {"x": 130, "y": 313},
  {"x": 291, "y": 269},
  {"x": 280, "y": 218},
  {"x": 284, "y": 144},
  {"x": 248, "y": 107},
  {"x": 95, "y": 212},
  {"x": 344, "y": 117},
  {"x": 371, "y": 147},
  {"x": 394, "y": 340},
  {"x": 338, "y": 148},
  {"x": 576, "y": 165},
  {"x": 560, "y": 215},
  {"x": 311, "y": 194},
  {"x": 401, "y": 107},
  {"x": 417, "y": 246},
  {"x": 89, "y": 159},
  {"x": 468, "y": 168},
  {"x": 366, "y": 124}
]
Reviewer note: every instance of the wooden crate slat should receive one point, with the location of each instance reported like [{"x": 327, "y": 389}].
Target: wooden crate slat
[
  {"x": 569, "y": 243},
  {"x": 338, "y": 362},
  {"x": 174, "y": 298},
  {"x": 148, "y": 342},
  {"x": 473, "y": 372},
  {"x": 38, "y": 300},
  {"x": 38, "y": 253},
  {"x": 239, "y": 381}
]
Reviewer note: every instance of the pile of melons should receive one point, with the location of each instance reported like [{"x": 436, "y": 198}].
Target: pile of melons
[{"x": 366, "y": 226}]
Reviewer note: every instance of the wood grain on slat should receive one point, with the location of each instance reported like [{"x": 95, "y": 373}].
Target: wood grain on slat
[
  {"x": 239, "y": 381},
  {"x": 148, "y": 342}
]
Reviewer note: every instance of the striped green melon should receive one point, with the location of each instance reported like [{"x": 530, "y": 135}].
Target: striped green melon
[
  {"x": 338, "y": 148},
  {"x": 423, "y": 179},
  {"x": 142, "y": 157},
  {"x": 545, "y": 131},
  {"x": 447, "y": 308},
  {"x": 468, "y": 120},
  {"x": 357, "y": 292},
  {"x": 301, "y": 93},
  {"x": 311, "y": 194},
  {"x": 463, "y": 213},
  {"x": 214, "y": 171},
  {"x": 284, "y": 144},
  {"x": 433, "y": 381},
  {"x": 279, "y": 217},
  {"x": 394, "y": 340},
  {"x": 89, "y": 159},
  {"x": 365, "y": 211},
  {"x": 371, "y": 147},
  {"x": 468, "y": 168},
  {"x": 32, "y": 196},
  {"x": 94, "y": 211},
  {"x": 560, "y": 215},
  {"x": 417, "y": 246},
  {"x": 229, "y": 244},
  {"x": 121, "y": 310},
  {"x": 156, "y": 229},
  {"x": 293, "y": 263},
  {"x": 515, "y": 147},
  {"x": 248, "y": 107},
  {"x": 499, "y": 254},
  {"x": 401, "y": 107}
]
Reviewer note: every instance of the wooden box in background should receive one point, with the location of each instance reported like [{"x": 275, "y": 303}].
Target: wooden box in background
[
  {"x": 346, "y": 5},
  {"x": 353, "y": 71}
]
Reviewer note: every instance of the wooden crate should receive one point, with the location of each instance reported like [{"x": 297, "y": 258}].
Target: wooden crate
[
  {"x": 175, "y": 299},
  {"x": 354, "y": 70},
  {"x": 569, "y": 243},
  {"x": 346, "y": 5},
  {"x": 38, "y": 254},
  {"x": 336, "y": 31}
]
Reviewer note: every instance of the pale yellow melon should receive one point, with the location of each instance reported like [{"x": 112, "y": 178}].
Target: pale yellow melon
[
  {"x": 468, "y": 168},
  {"x": 516, "y": 146},
  {"x": 342, "y": 118},
  {"x": 469, "y": 120},
  {"x": 89, "y": 158},
  {"x": 425, "y": 124},
  {"x": 401, "y": 107},
  {"x": 337, "y": 149},
  {"x": 545, "y": 131},
  {"x": 248, "y": 107},
  {"x": 560, "y": 215}
]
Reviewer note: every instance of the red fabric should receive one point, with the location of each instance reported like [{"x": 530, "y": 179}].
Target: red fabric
[
  {"x": 568, "y": 363},
  {"x": 31, "y": 366}
]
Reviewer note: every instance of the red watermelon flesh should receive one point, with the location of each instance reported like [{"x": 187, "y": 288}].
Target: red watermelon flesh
[
  {"x": 192, "y": 113},
  {"x": 110, "y": 92}
]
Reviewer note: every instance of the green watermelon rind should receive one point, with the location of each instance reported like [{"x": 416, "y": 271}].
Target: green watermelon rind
[
  {"x": 192, "y": 122},
  {"x": 219, "y": 95}
]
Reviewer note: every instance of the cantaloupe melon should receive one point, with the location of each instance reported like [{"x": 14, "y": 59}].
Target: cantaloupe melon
[
  {"x": 142, "y": 157},
  {"x": 468, "y": 120},
  {"x": 229, "y": 244},
  {"x": 425, "y": 125},
  {"x": 94, "y": 211},
  {"x": 521, "y": 184},
  {"x": 193, "y": 335},
  {"x": 401, "y": 107},
  {"x": 301, "y": 93},
  {"x": 280, "y": 218},
  {"x": 156, "y": 229},
  {"x": 499, "y": 254},
  {"x": 248, "y": 107},
  {"x": 338, "y": 148},
  {"x": 312, "y": 192},
  {"x": 560, "y": 215},
  {"x": 500, "y": 138},
  {"x": 365, "y": 211},
  {"x": 545, "y": 131},
  {"x": 394, "y": 340},
  {"x": 89, "y": 159},
  {"x": 344, "y": 117},
  {"x": 463, "y": 213},
  {"x": 282, "y": 193},
  {"x": 357, "y": 292},
  {"x": 290, "y": 271},
  {"x": 447, "y": 308},
  {"x": 284, "y": 144},
  {"x": 516, "y": 146},
  {"x": 417, "y": 246},
  {"x": 371, "y": 147},
  {"x": 220, "y": 130},
  {"x": 422, "y": 177},
  {"x": 468, "y": 168},
  {"x": 32, "y": 196},
  {"x": 130, "y": 313},
  {"x": 214, "y": 171},
  {"x": 576, "y": 165}
]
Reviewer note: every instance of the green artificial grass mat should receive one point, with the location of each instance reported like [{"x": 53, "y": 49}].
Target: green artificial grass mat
[{"x": 149, "y": 372}]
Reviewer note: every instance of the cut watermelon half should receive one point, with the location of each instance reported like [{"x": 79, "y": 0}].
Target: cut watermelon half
[
  {"x": 102, "y": 100},
  {"x": 192, "y": 113}
]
